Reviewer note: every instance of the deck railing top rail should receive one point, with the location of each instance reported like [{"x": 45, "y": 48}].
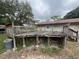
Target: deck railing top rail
[{"x": 73, "y": 30}]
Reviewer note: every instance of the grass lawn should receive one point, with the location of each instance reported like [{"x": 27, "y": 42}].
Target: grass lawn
[
  {"x": 74, "y": 48},
  {"x": 2, "y": 38},
  {"x": 51, "y": 51}
]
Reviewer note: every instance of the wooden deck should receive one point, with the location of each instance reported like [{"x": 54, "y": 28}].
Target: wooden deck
[
  {"x": 40, "y": 37},
  {"x": 41, "y": 34},
  {"x": 21, "y": 32}
]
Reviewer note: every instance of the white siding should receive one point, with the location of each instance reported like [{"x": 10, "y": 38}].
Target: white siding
[
  {"x": 51, "y": 28},
  {"x": 57, "y": 28},
  {"x": 45, "y": 28}
]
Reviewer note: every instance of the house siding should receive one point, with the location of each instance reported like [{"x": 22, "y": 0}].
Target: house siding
[
  {"x": 58, "y": 28},
  {"x": 45, "y": 28}
]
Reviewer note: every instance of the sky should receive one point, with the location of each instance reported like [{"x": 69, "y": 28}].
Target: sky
[{"x": 44, "y": 9}]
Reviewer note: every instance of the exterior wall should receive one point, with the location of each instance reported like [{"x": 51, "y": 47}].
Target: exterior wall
[
  {"x": 50, "y": 28},
  {"x": 45, "y": 28},
  {"x": 58, "y": 28},
  {"x": 72, "y": 26}
]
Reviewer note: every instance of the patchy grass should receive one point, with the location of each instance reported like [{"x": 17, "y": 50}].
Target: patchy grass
[
  {"x": 74, "y": 48},
  {"x": 51, "y": 50},
  {"x": 72, "y": 57},
  {"x": 2, "y": 38}
]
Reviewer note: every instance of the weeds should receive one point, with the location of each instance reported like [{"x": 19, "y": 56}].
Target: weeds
[
  {"x": 50, "y": 51},
  {"x": 72, "y": 57},
  {"x": 2, "y": 38}
]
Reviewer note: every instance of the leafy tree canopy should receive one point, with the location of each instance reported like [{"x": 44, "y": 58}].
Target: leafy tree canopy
[
  {"x": 12, "y": 10},
  {"x": 72, "y": 14}
]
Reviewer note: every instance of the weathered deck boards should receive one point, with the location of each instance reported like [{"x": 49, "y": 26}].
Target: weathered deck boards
[{"x": 42, "y": 34}]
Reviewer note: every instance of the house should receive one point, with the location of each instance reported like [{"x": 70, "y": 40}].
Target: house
[
  {"x": 58, "y": 25},
  {"x": 51, "y": 36}
]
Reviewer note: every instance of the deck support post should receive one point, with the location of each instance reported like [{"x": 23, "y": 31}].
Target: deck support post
[
  {"x": 65, "y": 41},
  {"x": 14, "y": 42},
  {"x": 37, "y": 41},
  {"x": 77, "y": 36},
  {"x": 24, "y": 45},
  {"x": 48, "y": 41}
]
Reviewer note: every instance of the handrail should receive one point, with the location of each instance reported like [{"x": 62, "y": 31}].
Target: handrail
[{"x": 73, "y": 30}]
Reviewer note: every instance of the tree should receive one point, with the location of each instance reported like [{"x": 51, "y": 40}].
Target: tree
[
  {"x": 12, "y": 10},
  {"x": 72, "y": 14},
  {"x": 25, "y": 13},
  {"x": 7, "y": 9},
  {"x": 56, "y": 17}
]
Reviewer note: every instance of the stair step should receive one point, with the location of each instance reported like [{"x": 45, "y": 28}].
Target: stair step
[{"x": 73, "y": 37}]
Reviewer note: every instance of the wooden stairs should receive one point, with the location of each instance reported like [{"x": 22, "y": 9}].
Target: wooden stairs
[
  {"x": 72, "y": 36},
  {"x": 69, "y": 32}
]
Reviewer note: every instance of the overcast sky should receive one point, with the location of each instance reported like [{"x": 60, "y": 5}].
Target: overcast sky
[{"x": 44, "y": 9}]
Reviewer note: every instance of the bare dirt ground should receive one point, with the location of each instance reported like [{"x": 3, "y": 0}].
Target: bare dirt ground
[{"x": 32, "y": 53}]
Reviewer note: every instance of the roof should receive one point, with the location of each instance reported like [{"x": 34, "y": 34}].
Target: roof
[{"x": 65, "y": 21}]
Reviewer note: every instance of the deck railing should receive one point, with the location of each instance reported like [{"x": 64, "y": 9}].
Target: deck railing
[
  {"x": 19, "y": 30},
  {"x": 75, "y": 32}
]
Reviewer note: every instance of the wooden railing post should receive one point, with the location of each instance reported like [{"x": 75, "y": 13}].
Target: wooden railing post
[
  {"x": 24, "y": 45},
  {"x": 77, "y": 36},
  {"x": 37, "y": 41},
  {"x": 48, "y": 41},
  {"x": 65, "y": 41}
]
